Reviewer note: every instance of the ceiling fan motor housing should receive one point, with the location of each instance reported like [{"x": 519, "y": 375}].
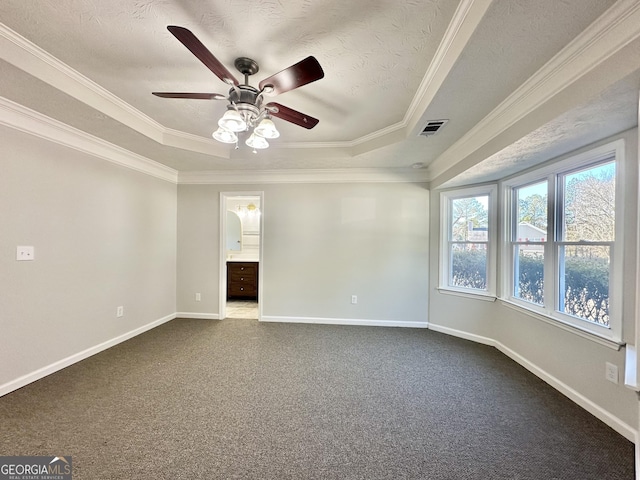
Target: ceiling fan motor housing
[{"x": 246, "y": 101}]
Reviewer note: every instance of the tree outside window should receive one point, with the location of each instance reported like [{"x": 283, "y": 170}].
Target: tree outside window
[
  {"x": 571, "y": 263},
  {"x": 587, "y": 233},
  {"x": 468, "y": 263}
]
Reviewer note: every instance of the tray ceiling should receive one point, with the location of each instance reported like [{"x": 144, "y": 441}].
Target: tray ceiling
[{"x": 389, "y": 68}]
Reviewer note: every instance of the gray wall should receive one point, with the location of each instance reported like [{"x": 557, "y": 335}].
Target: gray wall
[
  {"x": 321, "y": 244},
  {"x": 104, "y": 236},
  {"x": 574, "y": 364}
]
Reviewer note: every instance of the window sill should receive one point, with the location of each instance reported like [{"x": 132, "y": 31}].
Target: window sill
[
  {"x": 568, "y": 327},
  {"x": 485, "y": 297}
]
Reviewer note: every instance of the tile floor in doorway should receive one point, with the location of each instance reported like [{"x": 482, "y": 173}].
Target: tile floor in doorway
[{"x": 242, "y": 309}]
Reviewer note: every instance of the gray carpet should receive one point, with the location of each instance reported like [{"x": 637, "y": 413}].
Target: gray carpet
[{"x": 201, "y": 399}]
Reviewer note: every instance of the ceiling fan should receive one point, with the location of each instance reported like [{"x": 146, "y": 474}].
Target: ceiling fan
[{"x": 246, "y": 108}]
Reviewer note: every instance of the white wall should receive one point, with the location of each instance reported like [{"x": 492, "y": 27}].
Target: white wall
[
  {"x": 573, "y": 364},
  {"x": 321, "y": 244},
  {"x": 104, "y": 236}
]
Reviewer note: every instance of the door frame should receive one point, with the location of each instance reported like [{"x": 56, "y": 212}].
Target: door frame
[{"x": 222, "y": 298}]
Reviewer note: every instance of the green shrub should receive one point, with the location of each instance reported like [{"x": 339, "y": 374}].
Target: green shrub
[
  {"x": 469, "y": 269},
  {"x": 586, "y": 288}
]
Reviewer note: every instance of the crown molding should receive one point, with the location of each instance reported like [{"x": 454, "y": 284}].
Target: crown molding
[
  {"x": 27, "y": 56},
  {"x": 24, "y": 119},
  {"x": 194, "y": 143},
  {"x": 607, "y": 35},
  {"x": 339, "y": 175},
  {"x": 32, "y": 59},
  {"x": 465, "y": 20}
]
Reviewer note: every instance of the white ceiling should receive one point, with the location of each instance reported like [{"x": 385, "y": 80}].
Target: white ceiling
[{"x": 520, "y": 81}]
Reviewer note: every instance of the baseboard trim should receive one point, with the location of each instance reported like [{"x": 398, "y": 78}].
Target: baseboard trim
[
  {"x": 198, "y": 316},
  {"x": 462, "y": 334},
  {"x": 344, "y": 321},
  {"x": 77, "y": 357},
  {"x": 596, "y": 410}
]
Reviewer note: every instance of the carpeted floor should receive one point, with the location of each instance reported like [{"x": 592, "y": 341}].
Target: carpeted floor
[{"x": 237, "y": 399}]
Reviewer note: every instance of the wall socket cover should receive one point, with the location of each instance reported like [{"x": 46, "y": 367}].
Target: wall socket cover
[
  {"x": 611, "y": 372},
  {"x": 24, "y": 253}
]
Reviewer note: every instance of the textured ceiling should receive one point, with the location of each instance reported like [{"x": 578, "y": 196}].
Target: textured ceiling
[{"x": 389, "y": 67}]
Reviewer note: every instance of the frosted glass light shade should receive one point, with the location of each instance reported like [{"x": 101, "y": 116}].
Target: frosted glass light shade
[
  {"x": 232, "y": 121},
  {"x": 267, "y": 129},
  {"x": 224, "y": 136},
  {"x": 257, "y": 142}
]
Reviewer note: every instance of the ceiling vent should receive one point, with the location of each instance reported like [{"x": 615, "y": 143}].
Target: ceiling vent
[{"x": 433, "y": 127}]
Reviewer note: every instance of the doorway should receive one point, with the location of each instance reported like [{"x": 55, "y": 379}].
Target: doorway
[{"x": 241, "y": 220}]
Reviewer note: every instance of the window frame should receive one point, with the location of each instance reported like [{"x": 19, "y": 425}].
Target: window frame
[
  {"x": 553, "y": 173},
  {"x": 446, "y": 233}
]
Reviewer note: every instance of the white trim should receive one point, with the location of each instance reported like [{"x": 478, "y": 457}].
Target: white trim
[
  {"x": 34, "y": 60},
  {"x": 198, "y": 316},
  {"x": 465, "y": 20},
  {"x": 29, "y": 57},
  {"x": 596, "y": 410},
  {"x": 29, "y": 121},
  {"x": 77, "y": 357},
  {"x": 485, "y": 297},
  {"x": 343, "y": 321},
  {"x": 630, "y": 368},
  {"x": 606, "y": 36},
  {"x": 566, "y": 326},
  {"x": 222, "y": 277},
  {"x": 616, "y": 28},
  {"x": 462, "y": 334},
  {"x": 338, "y": 175},
  {"x": 446, "y": 198},
  {"x": 550, "y": 171}
]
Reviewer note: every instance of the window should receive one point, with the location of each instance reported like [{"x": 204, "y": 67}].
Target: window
[
  {"x": 528, "y": 242},
  {"x": 562, "y": 239},
  {"x": 468, "y": 240}
]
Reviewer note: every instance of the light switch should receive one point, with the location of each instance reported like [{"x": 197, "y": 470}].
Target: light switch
[{"x": 25, "y": 253}]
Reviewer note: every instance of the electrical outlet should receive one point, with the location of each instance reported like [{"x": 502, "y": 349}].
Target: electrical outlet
[
  {"x": 120, "y": 311},
  {"x": 25, "y": 253},
  {"x": 198, "y": 297},
  {"x": 611, "y": 372},
  {"x": 354, "y": 299}
]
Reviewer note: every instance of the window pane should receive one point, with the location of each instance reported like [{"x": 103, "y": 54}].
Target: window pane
[
  {"x": 531, "y": 208},
  {"x": 584, "y": 282},
  {"x": 529, "y": 273},
  {"x": 589, "y": 204},
  {"x": 470, "y": 219},
  {"x": 469, "y": 265}
]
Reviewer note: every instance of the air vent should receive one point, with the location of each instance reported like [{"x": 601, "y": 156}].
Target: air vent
[{"x": 433, "y": 127}]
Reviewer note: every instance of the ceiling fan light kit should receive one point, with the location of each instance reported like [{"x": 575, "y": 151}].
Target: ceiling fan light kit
[
  {"x": 257, "y": 142},
  {"x": 225, "y": 136},
  {"x": 246, "y": 109},
  {"x": 232, "y": 121},
  {"x": 267, "y": 129}
]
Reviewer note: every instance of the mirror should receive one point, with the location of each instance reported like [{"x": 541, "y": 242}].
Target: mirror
[{"x": 234, "y": 231}]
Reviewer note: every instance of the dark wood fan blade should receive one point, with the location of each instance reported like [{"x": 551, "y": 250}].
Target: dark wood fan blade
[
  {"x": 303, "y": 72},
  {"x": 196, "y": 47},
  {"x": 197, "y": 96},
  {"x": 291, "y": 115}
]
